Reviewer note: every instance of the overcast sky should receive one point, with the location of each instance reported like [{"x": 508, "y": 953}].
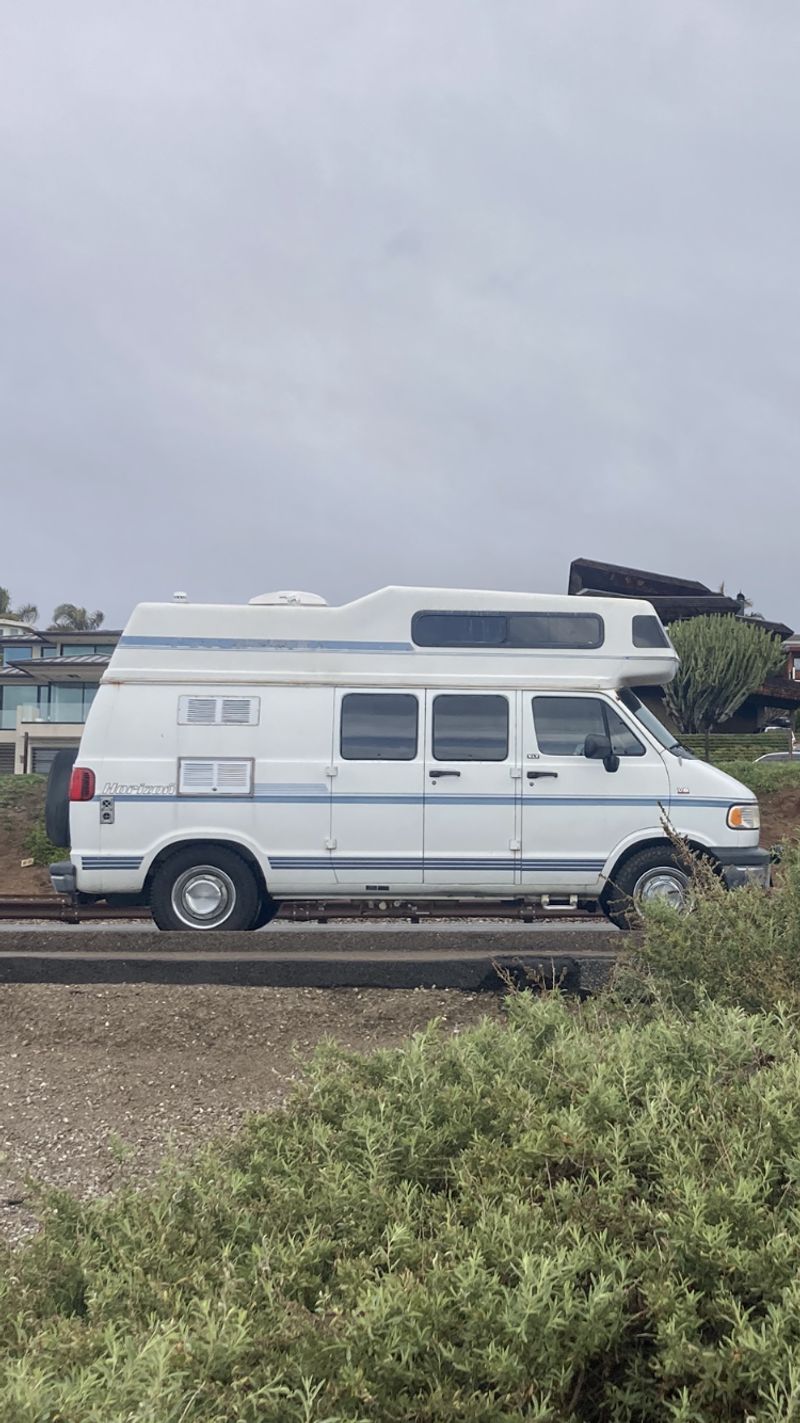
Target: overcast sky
[{"x": 329, "y": 294}]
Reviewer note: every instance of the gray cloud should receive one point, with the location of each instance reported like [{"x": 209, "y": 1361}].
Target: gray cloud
[{"x": 331, "y": 295}]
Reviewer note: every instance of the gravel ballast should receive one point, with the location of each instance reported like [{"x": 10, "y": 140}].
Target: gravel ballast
[{"x": 99, "y": 1083}]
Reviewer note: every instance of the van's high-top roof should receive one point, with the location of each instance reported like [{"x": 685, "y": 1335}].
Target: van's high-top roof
[{"x": 400, "y": 636}]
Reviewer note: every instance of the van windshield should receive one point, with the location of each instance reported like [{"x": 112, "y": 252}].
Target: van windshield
[{"x": 652, "y": 723}]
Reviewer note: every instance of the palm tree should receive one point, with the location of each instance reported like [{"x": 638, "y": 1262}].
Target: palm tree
[
  {"x": 26, "y": 614},
  {"x": 73, "y": 619}
]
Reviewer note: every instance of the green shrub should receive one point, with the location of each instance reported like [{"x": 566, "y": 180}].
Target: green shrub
[
  {"x": 40, "y": 848},
  {"x": 730, "y": 745},
  {"x": 23, "y": 797},
  {"x": 740, "y": 949},
  {"x": 22, "y": 791},
  {"x": 765, "y": 776},
  {"x": 588, "y": 1215}
]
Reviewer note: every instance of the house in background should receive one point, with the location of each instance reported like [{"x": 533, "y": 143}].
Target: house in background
[
  {"x": 675, "y": 600},
  {"x": 47, "y": 684},
  {"x": 792, "y": 649}
]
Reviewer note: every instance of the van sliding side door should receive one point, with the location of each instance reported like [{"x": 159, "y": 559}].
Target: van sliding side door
[
  {"x": 377, "y": 801},
  {"x": 472, "y": 797}
]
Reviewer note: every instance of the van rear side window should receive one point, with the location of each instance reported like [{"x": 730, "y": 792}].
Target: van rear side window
[
  {"x": 470, "y": 728},
  {"x": 516, "y": 630},
  {"x": 375, "y": 727}
]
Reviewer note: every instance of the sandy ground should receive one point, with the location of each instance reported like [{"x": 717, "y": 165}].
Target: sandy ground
[
  {"x": 97, "y": 1084},
  {"x": 780, "y": 816}
]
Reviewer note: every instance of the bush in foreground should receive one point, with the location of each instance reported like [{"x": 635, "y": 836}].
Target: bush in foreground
[
  {"x": 740, "y": 949},
  {"x": 584, "y": 1215}
]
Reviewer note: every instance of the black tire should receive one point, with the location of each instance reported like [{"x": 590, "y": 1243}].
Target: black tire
[
  {"x": 267, "y": 910},
  {"x": 204, "y": 888},
  {"x": 56, "y": 806},
  {"x": 653, "y": 869}
]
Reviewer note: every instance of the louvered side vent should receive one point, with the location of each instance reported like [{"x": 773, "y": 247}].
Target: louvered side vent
[
  {"x": 239, "y": 711},
  {"x": 218, "y": 711},
  {"x": 234, "y": 776},
  {"x": 197, "y": 711},
  {"x": 196, "y": 776},
  {"x": 220, "y": 777}
]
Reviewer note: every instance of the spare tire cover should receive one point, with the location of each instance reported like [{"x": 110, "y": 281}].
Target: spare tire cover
[{"x": 56, "y": 806}]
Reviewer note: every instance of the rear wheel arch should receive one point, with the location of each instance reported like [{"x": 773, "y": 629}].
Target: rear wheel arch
[
  {"x": 203, "y": 851},
  {"x": 203, "y": 845}
]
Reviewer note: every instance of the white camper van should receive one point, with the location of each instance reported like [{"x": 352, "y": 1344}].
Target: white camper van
[{"x": 418, "y": 742}]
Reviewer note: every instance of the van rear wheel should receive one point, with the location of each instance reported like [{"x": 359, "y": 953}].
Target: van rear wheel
[
  {"x": 653, "y": 874},
  {"x": 204, "y": 889}
]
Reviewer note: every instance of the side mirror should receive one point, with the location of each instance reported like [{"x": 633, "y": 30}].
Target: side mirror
[{"x": 598, "y": 748}]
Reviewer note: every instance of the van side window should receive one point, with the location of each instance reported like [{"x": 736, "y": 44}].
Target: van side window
[
  {"x": 470, "y": 728},
  {"x": 563, "y": 724},
  {"x": 648, "y": 632},
  {"x": 458, "y": 629},
  {"x": 379, "y": 728},
  {"x": 542, "y": 630}
]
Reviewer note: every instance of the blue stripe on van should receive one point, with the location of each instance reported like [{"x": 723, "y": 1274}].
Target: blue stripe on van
[
  {"x": 365, "y": 862},
  {"x": 111, "y": 862},
  {"x": 429, "y": 863},
  {"x": 298, "y": 644},
  {"x": 321, "y": 795},
  {"x": 259, "y": 644}
]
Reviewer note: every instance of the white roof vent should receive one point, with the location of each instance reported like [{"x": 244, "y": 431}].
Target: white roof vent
[{"x": 289, "y": 600}]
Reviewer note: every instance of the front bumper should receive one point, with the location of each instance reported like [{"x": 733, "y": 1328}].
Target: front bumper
[
  {"x": 62, "y": 877},
  {"x": 741, "y": 867}
]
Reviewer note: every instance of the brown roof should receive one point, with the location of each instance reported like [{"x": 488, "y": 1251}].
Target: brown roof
[{"x": 635, "y": 582}]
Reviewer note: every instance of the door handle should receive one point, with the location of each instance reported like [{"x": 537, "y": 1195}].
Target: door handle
[
  {"x": 434, "y": 775},
  {"x": 538, "y": 775}
]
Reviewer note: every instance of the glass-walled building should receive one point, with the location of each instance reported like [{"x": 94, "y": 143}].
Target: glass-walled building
[{"x": 48, "y": 681}]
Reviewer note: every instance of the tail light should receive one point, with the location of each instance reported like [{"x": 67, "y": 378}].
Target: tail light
[{"x": 81, "y": 786}]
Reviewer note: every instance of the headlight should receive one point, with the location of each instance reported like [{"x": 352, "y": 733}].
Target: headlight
[{"x": 744, "y": 817}]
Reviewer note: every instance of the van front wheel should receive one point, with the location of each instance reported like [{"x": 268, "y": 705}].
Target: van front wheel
[
  {"x": 653, "y": 874},
  {"x": 204, "y": 889}
]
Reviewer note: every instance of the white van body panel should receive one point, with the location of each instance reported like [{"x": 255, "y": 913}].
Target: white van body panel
[{"x": 226, "y": 724}]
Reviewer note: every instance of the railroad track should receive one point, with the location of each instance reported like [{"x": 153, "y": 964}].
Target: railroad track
[{"x": 60, "y": 908}]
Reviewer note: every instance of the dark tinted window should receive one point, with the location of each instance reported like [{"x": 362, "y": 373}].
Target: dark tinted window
[
  {"x": 458, "y": 629},
  {"x": 470, "y": 728},
  {"x": 583, "y": 630},
  {"x": 519, "y": 630},
  {"x": 563, "y": 724},
  {"x": 378, "y": 728},
  {"x": 648, "y": 632}
]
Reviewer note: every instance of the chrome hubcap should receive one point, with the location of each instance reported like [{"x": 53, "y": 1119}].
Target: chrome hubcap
[
  {"x": 203, "y": 897},
  {"x": 667, "y": 885}
]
